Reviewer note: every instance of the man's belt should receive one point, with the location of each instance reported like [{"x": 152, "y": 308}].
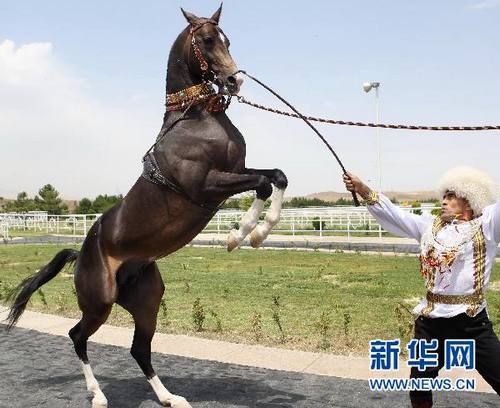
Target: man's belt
[{"x": 472, "y": 299}]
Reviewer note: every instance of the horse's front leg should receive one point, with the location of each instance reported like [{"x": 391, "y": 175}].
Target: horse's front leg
[
  {"x": 279, "y": 180},
  {"x": 229, "y": 184}
]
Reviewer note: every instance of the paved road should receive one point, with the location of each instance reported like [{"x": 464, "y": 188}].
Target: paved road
[{"x": 41, "y": 370}]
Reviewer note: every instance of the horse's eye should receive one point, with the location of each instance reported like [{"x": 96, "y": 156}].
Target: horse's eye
[{"x": 208, "y": 40}]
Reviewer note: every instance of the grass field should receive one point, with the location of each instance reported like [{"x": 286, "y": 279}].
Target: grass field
[{"x": 306, "y": 300}]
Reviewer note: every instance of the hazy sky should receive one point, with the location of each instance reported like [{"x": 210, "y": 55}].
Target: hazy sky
[{"x": 82, "y": 88}]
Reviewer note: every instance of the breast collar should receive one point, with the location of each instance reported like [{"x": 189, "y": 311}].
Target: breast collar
[{"x": 151, "y": 172}]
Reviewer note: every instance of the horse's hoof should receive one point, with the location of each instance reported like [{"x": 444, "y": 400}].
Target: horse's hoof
[
  {"x": 256, "y": 238},
  {"x": 232, "y": 242},
  {"x": 99, "y": 402},
  {"x": 177, "y": 402}
]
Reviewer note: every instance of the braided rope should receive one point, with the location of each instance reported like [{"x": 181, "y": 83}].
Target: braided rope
[{"x": 241, "y": 99}]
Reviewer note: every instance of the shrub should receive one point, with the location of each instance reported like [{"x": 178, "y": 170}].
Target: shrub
[
  {"x": 257, "y": 326},
  {"x": 218, "y": 323},
  {"x": 436, "y": 212},
  {"x": 416, "y": 204},
  {"x": 317, "y": 224},
  {"x": 276, "y": 309},
  {"x": 324, "y": 326},
  {"x": 198, "y": 315}
]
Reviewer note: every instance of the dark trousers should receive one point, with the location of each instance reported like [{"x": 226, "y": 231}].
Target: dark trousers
[{"x": 462, "y": 326}]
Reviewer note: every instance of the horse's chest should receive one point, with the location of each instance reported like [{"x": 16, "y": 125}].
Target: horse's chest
[{"x": 235, "y": 155}]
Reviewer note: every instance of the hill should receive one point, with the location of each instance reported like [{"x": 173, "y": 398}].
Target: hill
[{"x": 333, "y": 196}]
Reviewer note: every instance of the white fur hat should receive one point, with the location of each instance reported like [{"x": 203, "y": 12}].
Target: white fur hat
[{"x": 477, "y": 187}]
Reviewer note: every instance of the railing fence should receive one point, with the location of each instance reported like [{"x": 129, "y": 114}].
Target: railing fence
[
  {"x": 320, "y": 221},
  {"x": 39, "y": 223}
]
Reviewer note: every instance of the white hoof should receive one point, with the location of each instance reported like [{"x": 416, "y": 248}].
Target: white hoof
[
  {"x": 99, "y": 401},
  {"x": 257, "y": 237},
  {"x": 176, "y": 401},
  {"x": 232, "y": 240}
]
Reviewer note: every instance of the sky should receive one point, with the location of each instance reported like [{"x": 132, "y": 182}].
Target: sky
[{"x": 82, "y": 88}]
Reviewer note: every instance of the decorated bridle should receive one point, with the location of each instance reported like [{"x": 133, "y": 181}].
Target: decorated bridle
[
  {"x": 200, "y": 93},
  {"x": 197, "y": 52}
]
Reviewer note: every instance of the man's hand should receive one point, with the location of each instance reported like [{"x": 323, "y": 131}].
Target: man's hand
[{"x": 353, "y": 183}]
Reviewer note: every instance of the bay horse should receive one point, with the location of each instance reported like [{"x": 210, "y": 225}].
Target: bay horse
[{"x": 197, "y": 162}]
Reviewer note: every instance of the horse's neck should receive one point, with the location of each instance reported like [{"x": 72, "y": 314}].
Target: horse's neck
[
  {"x": 171, "y": 116},
  {"x": 179, "y": 76}
]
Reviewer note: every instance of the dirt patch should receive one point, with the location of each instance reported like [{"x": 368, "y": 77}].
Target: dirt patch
[
  {"x": 495, "y": 286},
  {"x": 333, "y": 279},
  {"x": 15, "y": 263},
  {"x": 412, "y": 300}
]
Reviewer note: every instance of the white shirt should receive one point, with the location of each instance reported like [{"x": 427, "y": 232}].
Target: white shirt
[{"x": 459, "y": 278}]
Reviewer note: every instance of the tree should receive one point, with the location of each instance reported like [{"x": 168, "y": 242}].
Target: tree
[
  {"x": 104, "y": 202},
  {"x": 49, "y": 200},
  {"x": 21, "y": 204},
  {"x": 300, "y": 202},
  {"x": 101, "y": 204},
  {"x": 231, "y": 203},
  {"x": 343, "y": 201},
  {"x": 246, "y": 200},
  {"x": 84, "y": 207}
]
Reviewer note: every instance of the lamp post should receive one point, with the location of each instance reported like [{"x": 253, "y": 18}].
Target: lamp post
[{"x": 367, "y": 87}]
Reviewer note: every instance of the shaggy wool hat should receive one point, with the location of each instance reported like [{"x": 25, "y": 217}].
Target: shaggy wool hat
[{"x": 477, "y": 187}]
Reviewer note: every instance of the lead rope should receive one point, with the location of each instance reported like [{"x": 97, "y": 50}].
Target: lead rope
[
  {"x": 344, "y": 171},
  {"x": 242, "y": 99}
]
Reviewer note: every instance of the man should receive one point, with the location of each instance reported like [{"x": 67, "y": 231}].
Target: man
[{"x": 458, "y": 251}]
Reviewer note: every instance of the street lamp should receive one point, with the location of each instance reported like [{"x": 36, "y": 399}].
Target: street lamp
[{"x": 367, "y": 87}]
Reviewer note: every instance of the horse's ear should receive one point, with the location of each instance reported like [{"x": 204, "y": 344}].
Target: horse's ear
[
  {"x": 190, "y": 17},
  {"x": 216, "y": 15}
]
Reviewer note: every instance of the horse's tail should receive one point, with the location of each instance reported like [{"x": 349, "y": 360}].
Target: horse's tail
[{"x": 28, "y": 286}]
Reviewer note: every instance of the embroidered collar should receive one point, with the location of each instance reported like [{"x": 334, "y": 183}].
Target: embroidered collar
[
  {"x": 464, "y": 236},
  {"x": 195, "y": 95}
]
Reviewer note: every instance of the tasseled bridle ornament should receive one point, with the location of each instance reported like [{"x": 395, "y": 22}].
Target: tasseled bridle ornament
[{"x": 202, "y": 93}]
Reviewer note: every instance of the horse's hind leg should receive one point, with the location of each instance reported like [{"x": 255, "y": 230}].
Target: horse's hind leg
[
  {"x": 96, "y": 289},
  {"x": 141, "y": 295},
  {"x": 79, "y": 334}
]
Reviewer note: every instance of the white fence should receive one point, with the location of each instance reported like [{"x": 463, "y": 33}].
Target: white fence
[
  {"x": 317, "y": 220},
  {"x": 4, "y": 230},
  {"x": 297, "y": 221},
  {"x": 41, "y": 222}
]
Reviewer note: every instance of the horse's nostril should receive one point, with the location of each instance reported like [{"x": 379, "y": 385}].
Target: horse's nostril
[{"x": 231, "y": 80}]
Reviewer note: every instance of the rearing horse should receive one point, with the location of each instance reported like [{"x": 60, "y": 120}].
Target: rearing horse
[{"x": 197, "y": 163}]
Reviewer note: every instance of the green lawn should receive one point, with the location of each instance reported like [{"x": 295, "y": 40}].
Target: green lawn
[{"x": 332, "y": 302}]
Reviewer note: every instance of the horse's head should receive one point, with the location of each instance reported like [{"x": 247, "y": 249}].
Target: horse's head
[{"x": 208, "y": 53}]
